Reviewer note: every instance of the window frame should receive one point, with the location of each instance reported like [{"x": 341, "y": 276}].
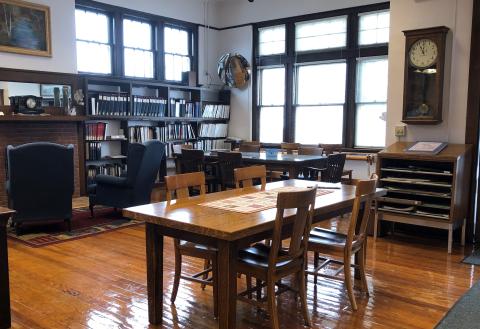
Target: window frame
[
  {"x": 191, "y": 48},
  {"x": 116, "y": 15},
  {"x": 291, "y": 58}
]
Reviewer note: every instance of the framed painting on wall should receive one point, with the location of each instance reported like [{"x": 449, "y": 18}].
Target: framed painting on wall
[{"x": 25, "y": 28}]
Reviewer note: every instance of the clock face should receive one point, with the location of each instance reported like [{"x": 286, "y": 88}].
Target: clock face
[
  {"x": 423, "y": 53},
  {"x": 31, "y": 103}
]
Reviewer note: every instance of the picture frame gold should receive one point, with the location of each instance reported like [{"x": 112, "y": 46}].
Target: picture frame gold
[{"x": 25, "y": 28}]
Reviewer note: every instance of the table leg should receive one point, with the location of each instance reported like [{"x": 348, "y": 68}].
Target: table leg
[
  {"x": 227, "y": 284},
  {"x": 5, "y": 317},
  {"x": 292, "y": 172},
  {"x": 154, "y": 243}
]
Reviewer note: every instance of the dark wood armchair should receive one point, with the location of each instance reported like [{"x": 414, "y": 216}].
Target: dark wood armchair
[
  {"x": 194, "y": 161},
  {"x": 269, "y": 264},
  {"x": 179, "y": 185},
  {"x": 343, "y": 246},
  {"x": 333, "y": 171}
]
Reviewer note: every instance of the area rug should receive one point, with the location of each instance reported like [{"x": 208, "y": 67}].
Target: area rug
[
  {"x": 45, "y": 234},
  {"x": 473, "y": 259},
  {"x": 465, "y": 314}
]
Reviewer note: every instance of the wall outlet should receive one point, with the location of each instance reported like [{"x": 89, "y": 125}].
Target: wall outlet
[{"x": 400, "y": 130}]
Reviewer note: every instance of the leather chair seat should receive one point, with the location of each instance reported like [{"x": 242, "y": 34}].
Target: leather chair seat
[
  {"x": 196, "y": 246},
  {"x": 327, "y": 237},
  {"x": 257, "y": 255}
]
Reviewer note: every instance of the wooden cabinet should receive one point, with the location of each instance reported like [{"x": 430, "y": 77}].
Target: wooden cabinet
[{"x": 424, "y": 189}]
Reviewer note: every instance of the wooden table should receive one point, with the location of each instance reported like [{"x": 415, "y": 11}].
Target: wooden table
[
  {"x": 292, "y": 163},
  {"x": 5, "y": 317},
  {"x": 228, "y": 231}
]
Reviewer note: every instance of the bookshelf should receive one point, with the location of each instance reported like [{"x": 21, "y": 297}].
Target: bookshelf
[
  {"x": 138, "y": 110},
  {"x": 424, "y": 189}
]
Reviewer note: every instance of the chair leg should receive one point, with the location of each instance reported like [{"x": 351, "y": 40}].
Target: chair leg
[
  {"x": 206, "y": 264},
  {"x": 215, "y": 287},
  {"x": 249, "y": 285},
  {"x": 92, "y": 214},
  {"x": 272, "y": 305},
  {"x": 302, "y": 290},
  {"x": 315, "y": 265},
  {"x": 18, "y": 232},
  {"x": 362, "y": 262},
  {"x": 68, "y": 221},
  {"x": 258, "y": 282},
  {"x": 349, "y": 281},
  {"x": 178, "y": 271}
]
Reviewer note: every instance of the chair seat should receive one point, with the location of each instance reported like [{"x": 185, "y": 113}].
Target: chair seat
[
  {"x": 327, "y": 237},
  {"x": 257, "y": 256},
  {"x": 186, "y": 245}
]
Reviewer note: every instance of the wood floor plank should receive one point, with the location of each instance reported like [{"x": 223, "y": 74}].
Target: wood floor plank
[{"x": 100, "y": 282}]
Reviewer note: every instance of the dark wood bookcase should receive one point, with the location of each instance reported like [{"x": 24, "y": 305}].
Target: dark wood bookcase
[
  {"x": 129, "y": 120},
  {"x": 425, "y": 189}
]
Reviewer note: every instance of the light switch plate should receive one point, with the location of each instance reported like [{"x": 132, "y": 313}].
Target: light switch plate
[{"x": 400, "y": 130}]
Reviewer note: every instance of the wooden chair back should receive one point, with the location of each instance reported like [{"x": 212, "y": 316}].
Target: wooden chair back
[
  {"x": 244, "y": 176},
  {"x": 289, "y": 147},
  {"x": 364, "y": 188},
  {"x": 334, "y": 170},
  {"x": 179, "y": 185},
  {"x": 192, "y": 161},
  {"x": 308, "y": 150},
  {"x": 331, "y": 148},
  {"x": 249, "y": 147},
  {"x": 227, "y": 162},
  {"x": 304, "y": 203}
]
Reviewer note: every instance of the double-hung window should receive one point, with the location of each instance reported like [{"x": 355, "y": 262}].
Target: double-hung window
[
  {"x": 177, "y": 48},
  {"x": 138, "y": 48},
  {"x": 330, "y": 85},
  {"x": 94, "y": 42}
]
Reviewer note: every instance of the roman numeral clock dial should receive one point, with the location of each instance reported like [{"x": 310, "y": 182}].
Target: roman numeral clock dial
[{"x": 424, "y": 72}]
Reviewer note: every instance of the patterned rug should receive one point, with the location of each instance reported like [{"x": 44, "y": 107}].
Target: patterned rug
[{"x": 45, "y": 234}]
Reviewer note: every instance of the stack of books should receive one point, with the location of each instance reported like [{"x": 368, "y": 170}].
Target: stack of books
[
  {"x": 216, "y": 111},
  {"x": 93, "y": 151},
  {"x": 95, "y": 131},
  {"x": 109, "y": 104},
  {"x": 213, "y": 130},
  {"x": 149, "y": 106},
  {"x": 180, "y": 108}
]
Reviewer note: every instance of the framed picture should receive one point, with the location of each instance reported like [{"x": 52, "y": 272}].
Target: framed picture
[
  {"x": 427, "y": 147},
  {"x": 25, "y": 28}
]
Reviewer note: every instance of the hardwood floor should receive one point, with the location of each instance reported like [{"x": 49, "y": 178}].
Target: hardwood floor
[{"x": 100, "y": 282}]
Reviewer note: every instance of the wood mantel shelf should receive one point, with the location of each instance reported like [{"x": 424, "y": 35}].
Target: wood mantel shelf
[{"x": 42, "y": 118}]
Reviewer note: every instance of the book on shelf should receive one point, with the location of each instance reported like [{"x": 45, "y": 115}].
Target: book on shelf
[
  {"x": 95, "y": 131},
  {"x": 109, "y": 104},
  {"x": 216, "y": 111},
  {"x": 111, "y": 169},
  {"x": 210, "y": 144},
  {"x": 93, "y": 151},
  {"x": 149, "y": 106},
  {"x": 213, "y": 130},
  {"x": 181, "y": 108},
  {"x": 176, "y": 131}
]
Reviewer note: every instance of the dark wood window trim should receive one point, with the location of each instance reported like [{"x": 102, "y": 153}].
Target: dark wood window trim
[
  {"x": 350, "y": 53},
  {"x": 117, "y": 14}
]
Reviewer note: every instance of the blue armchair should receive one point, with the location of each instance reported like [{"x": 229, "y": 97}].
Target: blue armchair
[
  {"x": 40, "y": 182},
  {"x": 135, "y": 186}
]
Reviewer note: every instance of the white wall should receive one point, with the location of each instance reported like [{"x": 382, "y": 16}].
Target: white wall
[
  {"x": 63, "y": 42},
  {"x": 414, "y": 14}
]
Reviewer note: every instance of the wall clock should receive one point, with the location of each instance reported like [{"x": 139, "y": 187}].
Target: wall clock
[{"x": 424, "y": 75}]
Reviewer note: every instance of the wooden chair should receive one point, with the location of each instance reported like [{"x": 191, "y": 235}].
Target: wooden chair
[
  {"x": 331, "y": 149},
  {"x": 244, "y": 176},
  {"x": 227, "y": 163},
  {"x": 344, "y": 246},
  {"x": 308, "y": 150},
  {"x": 250, "y": 147},
  {"x": 194, "y": 161},
  {"x": 332, "y": 173},
  {"x": 180, "y": 185},
  {"x": 269, "y": 264},
  {"x": 289, "y": 147},
  {"x": 176, "y": 151}
]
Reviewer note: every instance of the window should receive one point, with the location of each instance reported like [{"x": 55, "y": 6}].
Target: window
[
  {"x": 330, "y": 85},
  {"x": 138, "y": 54},
  {"x": 320, "y": 102},
  {"x": 94, "y": 46},
  {"x": 272, "y": 101},
  {"x": 272, "y": 40},
  {"x": 321, "y": 34},
  {"x": 374, "y": 28},
  {"x": 177, "y": 53},
  {"x": 371, "y": 102}
]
